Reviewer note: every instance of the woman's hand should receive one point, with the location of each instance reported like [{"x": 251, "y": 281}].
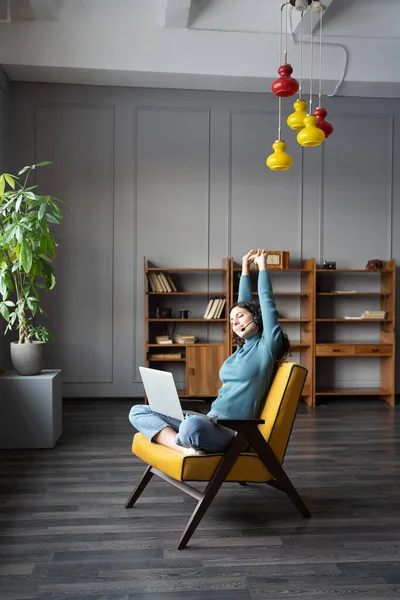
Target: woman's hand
[
  {"x": 247, "y": 261},
  {"x": 261, "y": 259},
  {"x": 249, "y": 257}
]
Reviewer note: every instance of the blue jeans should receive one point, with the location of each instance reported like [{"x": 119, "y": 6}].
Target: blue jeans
[{"x": 195, "y": 431}]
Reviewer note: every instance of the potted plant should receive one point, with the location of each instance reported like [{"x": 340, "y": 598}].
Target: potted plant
[{"x": 27, "y": 248}]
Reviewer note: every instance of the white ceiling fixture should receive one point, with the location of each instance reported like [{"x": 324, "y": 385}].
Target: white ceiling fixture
[
  {"x": 176, "y": 13},
  {"x": 46, "y": 10}
]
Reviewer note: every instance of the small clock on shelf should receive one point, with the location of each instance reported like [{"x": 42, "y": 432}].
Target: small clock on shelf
[{"x": 277, "y": 259}]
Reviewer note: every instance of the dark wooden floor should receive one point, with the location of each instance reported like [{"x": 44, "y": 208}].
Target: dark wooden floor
[{"x": 64, "y": 532}]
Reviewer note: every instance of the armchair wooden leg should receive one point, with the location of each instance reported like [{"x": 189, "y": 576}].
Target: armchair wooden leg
[
  {"x": 212, "y": 488},
  {"x": 275, "y": 468},
  {"x": 140, "y": 487}
]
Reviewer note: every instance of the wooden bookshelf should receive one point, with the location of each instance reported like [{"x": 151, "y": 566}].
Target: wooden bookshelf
[
  {"x": 196, "y": 370},
  {"x": 383, "y": 347},
  {"x": 312, "y": 312}
]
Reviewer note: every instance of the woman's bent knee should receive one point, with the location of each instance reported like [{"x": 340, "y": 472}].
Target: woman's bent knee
[{"x": 138, "y": 411}]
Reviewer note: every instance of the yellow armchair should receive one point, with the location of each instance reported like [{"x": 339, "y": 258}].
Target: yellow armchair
[{"x": 266, "y": 440}]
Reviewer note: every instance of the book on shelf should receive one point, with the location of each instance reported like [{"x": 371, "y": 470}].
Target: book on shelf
[
  {"x": 215, "y": 309},
  {"x": 209, "y": 305},
  {"x": 352, "y": 318},
  {"x": 374, "y": 314},
  {"x": 152, "y": 282},
  {"x": 218, "y": 308},
  {"x": 163, "y": 339},
  {"x": 161, "y": 282},
  {"x": 185, "y": 339},
  {"x": 171, "y": 355},
  {"x": 171, "y": 283}
]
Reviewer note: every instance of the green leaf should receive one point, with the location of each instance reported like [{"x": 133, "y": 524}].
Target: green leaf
[
  {"x": 8, "y": 234},
  {"x": 52, "y": 219},
  {"x": 41, "y": 212},
  {"x": 56, "y": 210},
  {"x": 26, "y": 256},
  {"x": 18, "y": 203},
  {"x": 18, "y": 233},
  {"x": 52, "y": 281},
  {"x": 50, "y": 247},
  {"x": 10, "y": 180},
  {"x": 43, "y": 227},
  {"x": 31, "y": 305},
  {"x": 4, "y": 311},
  {"x": 2, "y": 185},
  {"x": 22, "y": 171},
  {"x": 44, "y": 163}
]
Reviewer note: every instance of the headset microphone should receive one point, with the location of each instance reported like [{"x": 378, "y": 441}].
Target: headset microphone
[{"x": 244, "y": 328}]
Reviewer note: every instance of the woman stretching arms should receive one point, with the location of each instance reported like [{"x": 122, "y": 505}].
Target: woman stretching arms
[{"x": 246, "y": 375}]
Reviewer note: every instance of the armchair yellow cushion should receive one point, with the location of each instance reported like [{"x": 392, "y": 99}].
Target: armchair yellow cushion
[{"x": 248, "y": 466}]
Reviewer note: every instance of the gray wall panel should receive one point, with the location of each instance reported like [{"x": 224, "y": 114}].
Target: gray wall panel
[
  {"x": 173, "y": 185},
  {"x": 264, "y": 204},
  {"x": 357, "y": 190},
  {"x": 79, "y": 141}
]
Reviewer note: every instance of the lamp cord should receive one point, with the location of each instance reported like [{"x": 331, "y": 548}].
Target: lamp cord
[
  {"x": 320, "y": 59},
  {"x": 301, "y": 57},
  {"x": 280, "y": 38},
  {"x": 311, "y": 60},
  {"x": 286, "y": 30},
  {"x": 280, "y": 62},
  {"x": 340, "y": 46}
]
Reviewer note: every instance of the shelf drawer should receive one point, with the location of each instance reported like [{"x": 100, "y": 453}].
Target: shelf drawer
[
  {"x": 335, "y": 349},
  {"x": 374, "y": 349}
]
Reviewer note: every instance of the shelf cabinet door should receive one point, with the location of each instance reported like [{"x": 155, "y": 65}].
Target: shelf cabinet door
[{"x": 202, "y": 368}]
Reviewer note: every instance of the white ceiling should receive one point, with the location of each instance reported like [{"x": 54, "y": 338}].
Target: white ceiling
[{"x": 199, "y": 44}]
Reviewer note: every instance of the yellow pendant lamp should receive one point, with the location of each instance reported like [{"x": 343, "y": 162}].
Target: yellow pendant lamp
[
  {"x": 279, "y": 160},
  {"x": 310, "y": 136},
  {"x": 295, "y": 120}
]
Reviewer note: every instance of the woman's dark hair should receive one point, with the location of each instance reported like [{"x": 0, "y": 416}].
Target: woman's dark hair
[{"x": 254, "y": 308}]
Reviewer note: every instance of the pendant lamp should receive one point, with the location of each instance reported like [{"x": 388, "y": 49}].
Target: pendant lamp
[
  {"x": 295, "y": 120},
  {"x": 285, "y": 85},
  {"x": 311, "y": 135},
  {"x": 320, "y": 112},
  {"x": 279, "y": 160}
]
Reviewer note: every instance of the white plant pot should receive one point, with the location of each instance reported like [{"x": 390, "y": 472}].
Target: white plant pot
[{"x": 27, "y": 359}]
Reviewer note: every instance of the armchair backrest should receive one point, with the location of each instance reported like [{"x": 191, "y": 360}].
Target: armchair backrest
[{"x": 280, "y": 406}]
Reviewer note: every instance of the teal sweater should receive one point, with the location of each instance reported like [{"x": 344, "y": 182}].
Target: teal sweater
[{"x": 246, "y": 375}]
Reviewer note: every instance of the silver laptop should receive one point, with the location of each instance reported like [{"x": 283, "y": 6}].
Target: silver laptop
[{"x": 161, "y": 393}]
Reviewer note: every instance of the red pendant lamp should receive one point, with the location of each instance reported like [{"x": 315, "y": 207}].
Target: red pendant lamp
[
  {"x": 325, "y": 126},
  {"x": 285, "y": 85},
  {"x": 320, "y": 112}
]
